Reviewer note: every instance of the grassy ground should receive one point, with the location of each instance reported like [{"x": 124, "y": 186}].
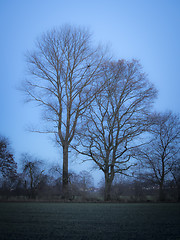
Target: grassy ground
[{"x": 80, "y": 221}]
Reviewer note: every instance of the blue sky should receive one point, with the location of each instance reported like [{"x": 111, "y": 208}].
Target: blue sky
[{"x": 142, "y": 29}]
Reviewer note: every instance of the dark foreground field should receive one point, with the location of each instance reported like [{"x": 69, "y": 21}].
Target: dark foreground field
[{"x": 89, "y": 221}]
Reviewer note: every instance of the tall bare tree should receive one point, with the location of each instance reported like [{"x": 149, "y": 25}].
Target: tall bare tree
[
  {"x": 116, "y": 119},
  {"x": 63, "y": 71},
  {"x": 160, "y": 156}
]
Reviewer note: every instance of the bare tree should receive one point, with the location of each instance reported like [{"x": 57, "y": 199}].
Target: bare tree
[
  {"x": 56, "y": 171},
  {"x": 63, "y": 71},
  {"x": 32, "y": 172},
  {"x": 116, "y": 119},
  {"x": 8, "y": 166},
  {"x": 160, "y": 155},
  {"x": 86, "y": 180}
]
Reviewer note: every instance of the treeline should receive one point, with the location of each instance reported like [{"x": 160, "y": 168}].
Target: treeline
[{"x": 36, "y": 181}]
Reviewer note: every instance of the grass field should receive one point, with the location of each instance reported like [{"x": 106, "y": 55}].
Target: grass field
[{"x": 89, "y": 221}]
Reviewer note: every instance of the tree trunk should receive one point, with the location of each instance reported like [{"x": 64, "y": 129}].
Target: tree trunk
[
  {"x": 178, "y": 193},
  {"x": 65, "y": 173},
  {"x": 161, "y": 193},
  {"x": 107, "y": 191}
]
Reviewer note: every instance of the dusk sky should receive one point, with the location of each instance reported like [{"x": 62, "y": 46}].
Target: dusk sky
[{"x": 141, "y": 29}]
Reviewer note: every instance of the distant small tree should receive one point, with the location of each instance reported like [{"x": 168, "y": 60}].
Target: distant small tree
[
  {"x": 160, "y": 154},
  {"x": 81, "y": 183},
  {"x": 56, "y": 171},
  {"x": 86, "y": 180},
  {"x": 85, "y": 184},
  {"x": 32, "y": 172}
]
